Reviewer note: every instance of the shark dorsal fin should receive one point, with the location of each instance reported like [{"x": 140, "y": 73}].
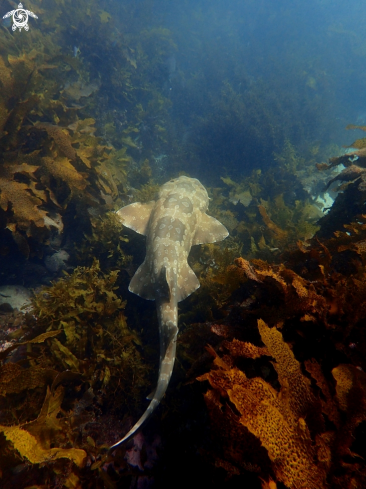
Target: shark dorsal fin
[
  {"x": 136, "y": 216},
  {"x": 209, "y": 230}
]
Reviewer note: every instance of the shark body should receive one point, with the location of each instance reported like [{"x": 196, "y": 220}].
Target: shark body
[{"x": 172, "y": 225}]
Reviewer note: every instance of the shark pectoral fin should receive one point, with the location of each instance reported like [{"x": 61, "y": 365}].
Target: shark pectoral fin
[
  {"x": 136, "y": 216},
  {"x": 141, "y": 283},
  {"x": 209, "y": 230},
  {"x": 187, "y": 282}
]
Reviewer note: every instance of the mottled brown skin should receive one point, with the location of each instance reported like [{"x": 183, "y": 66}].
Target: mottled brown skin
[{"x": 172, "y": 225}]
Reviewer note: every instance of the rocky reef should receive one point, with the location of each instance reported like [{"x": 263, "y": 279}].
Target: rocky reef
[{"x": 269, "y": 388}]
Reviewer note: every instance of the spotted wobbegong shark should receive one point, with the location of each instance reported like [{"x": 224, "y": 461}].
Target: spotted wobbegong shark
[{"x": 172, "y": 224}]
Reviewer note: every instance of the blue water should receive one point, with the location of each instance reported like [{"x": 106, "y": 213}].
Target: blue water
[{"x": 294, "y": 70}]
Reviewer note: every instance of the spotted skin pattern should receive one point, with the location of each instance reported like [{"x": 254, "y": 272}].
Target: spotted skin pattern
[{"x": 172, "y": 225}]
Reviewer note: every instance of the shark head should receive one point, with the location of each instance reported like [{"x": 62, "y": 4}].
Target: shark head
[{"x": 191, "y": 187}]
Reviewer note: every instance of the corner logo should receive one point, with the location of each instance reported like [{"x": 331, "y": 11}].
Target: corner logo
[{"x": 20, "y": 18}]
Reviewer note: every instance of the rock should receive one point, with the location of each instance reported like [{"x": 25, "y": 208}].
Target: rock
[
  {"x": 56, "y": 262},
  {"x": 244, "y": 197},
  {"x": 15, "y": 295}
]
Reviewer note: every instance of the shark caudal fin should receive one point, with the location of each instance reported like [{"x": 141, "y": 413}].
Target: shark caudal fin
[
  {"x": 150, "y": 409},
  {"x": 167, "y": 312}
]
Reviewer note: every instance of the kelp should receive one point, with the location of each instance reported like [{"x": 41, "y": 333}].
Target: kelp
[
  {"x": 147, "y": 192},
  {"x": 350, "y": 199},
  {"x": 74, "y": 161},
  {"x": 106, "y": 241},
  {"x": 264, "y": 214},
  {"x": 25, "y": 204},
  {"x": 277, "y": 419},
  {"x": 78, "y": 361},
  {"x": 357, "y": 156},
  {"x": 289, "y": 423},
  {"x": 36, "y": 449},
  {"x": 298, "y": 419},
  {"x": 44, "y": 176}
]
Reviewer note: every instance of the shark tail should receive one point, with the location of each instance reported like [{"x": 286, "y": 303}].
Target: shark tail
[{"x": 167, "y": 313}]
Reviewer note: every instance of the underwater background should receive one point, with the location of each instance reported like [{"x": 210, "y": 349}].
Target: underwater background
[{"x": 102, "y": 102}]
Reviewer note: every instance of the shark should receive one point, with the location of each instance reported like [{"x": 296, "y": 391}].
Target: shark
[{"x": 172, "y": 224}]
